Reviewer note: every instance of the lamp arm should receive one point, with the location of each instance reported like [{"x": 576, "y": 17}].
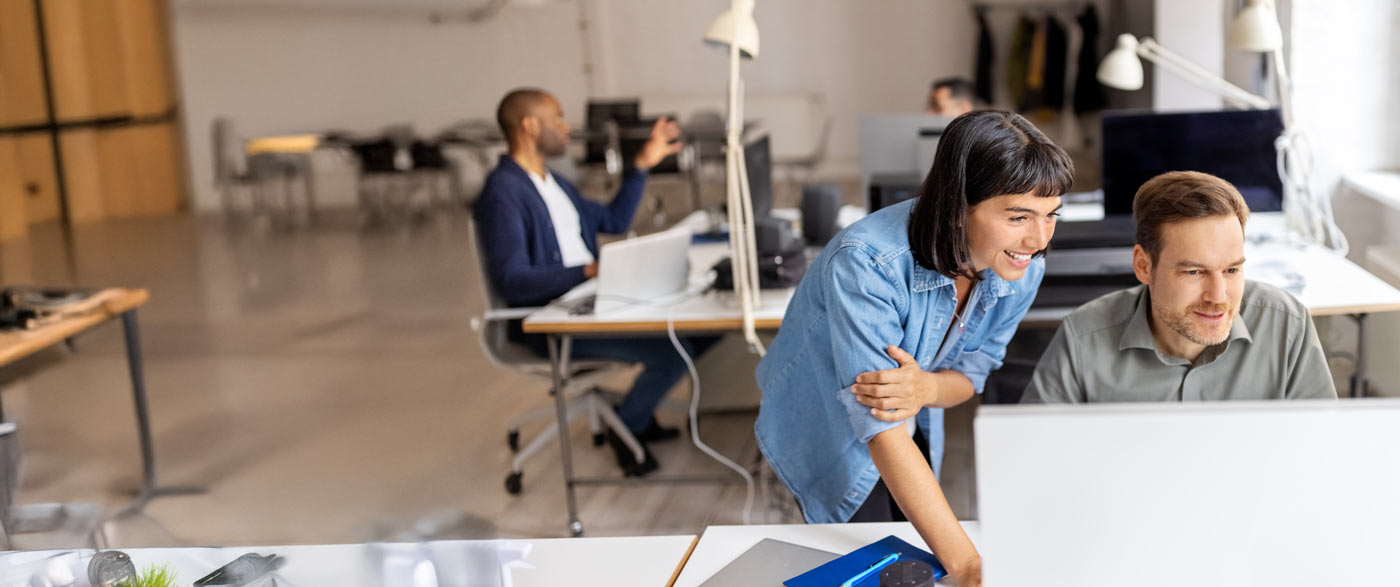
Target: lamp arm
[
  {"x": 1152, "y": 51},
  {"x": 1285, "y": 86}
]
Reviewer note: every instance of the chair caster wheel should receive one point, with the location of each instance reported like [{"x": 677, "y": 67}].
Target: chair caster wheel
[
  {"x": 513, "y": 440},
  {"x": 514, "y": 483},
  {"x": 576, "y": 529}
]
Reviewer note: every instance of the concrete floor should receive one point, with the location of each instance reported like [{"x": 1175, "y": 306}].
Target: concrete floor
[{"x": 324, "y": 385}]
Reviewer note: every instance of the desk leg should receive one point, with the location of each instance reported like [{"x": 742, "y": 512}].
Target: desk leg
[
  {"x": 1360, "y": 383},
  {"x": 309, "y": 177},
  {"x": 149, "y": 490},
  {"x": 559, "y": 352}
]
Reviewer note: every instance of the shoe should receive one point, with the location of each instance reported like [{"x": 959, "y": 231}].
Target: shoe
[
  {"x": 655, "y": 433},
  {"x": 625, "y": 459}
]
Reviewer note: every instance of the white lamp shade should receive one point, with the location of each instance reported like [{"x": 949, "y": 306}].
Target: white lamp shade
[
  {"x": 1256, "y": 28},
  {"x": 721, "y": 31},
  {"x": 1121, "y": 68}
]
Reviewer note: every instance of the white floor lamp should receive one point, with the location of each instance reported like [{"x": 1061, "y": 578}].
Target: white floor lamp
[
  {"x": 1255, "y": 29},
  {"x": 736, "y": 30}
]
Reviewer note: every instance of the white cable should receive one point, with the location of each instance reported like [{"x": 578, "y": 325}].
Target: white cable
[{"x": 694, "y": 420}]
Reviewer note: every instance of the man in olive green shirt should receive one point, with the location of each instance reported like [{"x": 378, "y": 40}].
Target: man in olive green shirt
[{"x": 1196, "y": 329}]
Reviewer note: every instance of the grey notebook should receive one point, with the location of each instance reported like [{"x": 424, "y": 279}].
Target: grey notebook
[{"x": 768, "y": 564}]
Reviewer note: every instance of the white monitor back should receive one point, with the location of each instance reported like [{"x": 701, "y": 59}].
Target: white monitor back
[
  {"x": 643, "y": 271},
  {"x": 1244, "y": 493},
  {"x": 897, "y": 143}
]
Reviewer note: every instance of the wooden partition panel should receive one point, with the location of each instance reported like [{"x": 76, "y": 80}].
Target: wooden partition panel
[{"x": 112, "y": 89}]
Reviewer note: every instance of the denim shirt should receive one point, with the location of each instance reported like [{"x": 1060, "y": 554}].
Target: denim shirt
[{"x": 864, "y": 292}]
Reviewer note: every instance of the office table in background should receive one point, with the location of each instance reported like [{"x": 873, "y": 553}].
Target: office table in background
[
  {"x": 705, "y": 313},
  {"x": 112, "y": 303}
]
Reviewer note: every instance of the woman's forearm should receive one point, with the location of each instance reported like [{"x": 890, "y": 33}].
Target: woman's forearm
[
  {"x": 906, "y": 472},
  {"x": 951, "y": 388}
]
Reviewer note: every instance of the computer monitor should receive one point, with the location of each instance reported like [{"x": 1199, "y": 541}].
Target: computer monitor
[
  {"x": 1226, "y": 493},
  {"x": 1237, "y": 146},
  {"x": 758, "y": 161},
  {"x": 600, "y": 112},
  {"x": 898, "y": 144}
]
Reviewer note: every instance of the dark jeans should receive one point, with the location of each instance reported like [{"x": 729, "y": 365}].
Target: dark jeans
[
  {"x": 662, "y": 367},
  {"x": 880, "y": 506}
]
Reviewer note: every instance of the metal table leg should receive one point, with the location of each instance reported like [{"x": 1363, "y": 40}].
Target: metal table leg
[
  {"x": 149, "y": 490},
  {"x": 559, "y": 353},
  {"x": 1360, "y": 383}
]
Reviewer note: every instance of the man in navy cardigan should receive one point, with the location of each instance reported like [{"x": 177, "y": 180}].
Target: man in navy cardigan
[{"x": 540, "y": 239}]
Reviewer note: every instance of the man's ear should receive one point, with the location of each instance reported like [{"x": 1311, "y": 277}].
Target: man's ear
[
  {"x": 530, "y": 126},
  {"x": 1142, "y": 264}
]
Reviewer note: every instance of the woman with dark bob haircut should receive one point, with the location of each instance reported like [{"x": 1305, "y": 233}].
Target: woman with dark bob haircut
[{"x": 904, "y": 314}]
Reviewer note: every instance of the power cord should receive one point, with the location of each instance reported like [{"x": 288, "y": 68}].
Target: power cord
[{"x": 695, "y": 425}]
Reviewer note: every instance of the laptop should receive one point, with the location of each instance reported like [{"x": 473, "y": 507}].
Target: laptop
[
  {"x": 642, "y": 271},
  {"x": 1232, "y": 493}
]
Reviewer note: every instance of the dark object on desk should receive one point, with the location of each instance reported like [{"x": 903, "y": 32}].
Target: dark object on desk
[
  {"x": 242, "y": 571},
  {"x": 887, "y": 189},
  {"x": 773, "y": 235},
  {"x": 1070, "y": 291},
  {"x": 821, "y": 203},
  {"x": 22, "y": 306},
  {"x": 907, "y": 573},
  {"x": 1235, "y": 145},
  {"x": 1112, "y": 231},
  {"x": 774, "y": 271}
]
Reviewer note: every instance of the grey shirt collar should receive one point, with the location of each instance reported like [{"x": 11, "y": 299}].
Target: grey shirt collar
[{"x": 1138, "y": 333}]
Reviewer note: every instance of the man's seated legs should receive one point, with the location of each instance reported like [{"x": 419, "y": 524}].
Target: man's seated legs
[{"x": 662, "y": 368}]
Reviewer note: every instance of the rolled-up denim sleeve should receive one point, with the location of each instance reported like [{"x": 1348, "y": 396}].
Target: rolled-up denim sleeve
[
  {"x": 863, "y": 310},
  {"x": 1007, "y": 315}
]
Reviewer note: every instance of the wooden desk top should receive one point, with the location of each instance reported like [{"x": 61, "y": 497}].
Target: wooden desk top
[{"x": 105, "y": 305}]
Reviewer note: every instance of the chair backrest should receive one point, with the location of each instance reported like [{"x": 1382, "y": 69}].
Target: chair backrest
[
  {"x": 499, "y": 349},
  {"x": 227, "y": 153}
]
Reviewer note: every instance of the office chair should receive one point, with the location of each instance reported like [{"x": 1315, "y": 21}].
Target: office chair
[
  {"x": 584, "y": 397},
  {"x": 257, "y": 175}
]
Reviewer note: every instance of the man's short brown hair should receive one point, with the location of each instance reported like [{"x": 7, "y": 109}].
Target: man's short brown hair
[{"x": 1182, "y": 195}]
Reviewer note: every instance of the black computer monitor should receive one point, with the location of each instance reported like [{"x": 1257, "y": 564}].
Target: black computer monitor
[
  {"x": 758, "y": 161},
  {"x": 1237, "y": 146},
  {"x": 623, "y": 112}
]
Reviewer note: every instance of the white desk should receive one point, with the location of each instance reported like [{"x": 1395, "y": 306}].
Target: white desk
[
  {"x": 713, "y": 311},
  {"x": 720, "y": 545},
  {"x": 710, "y": 312},
  {"x": 604, "y": 562}
]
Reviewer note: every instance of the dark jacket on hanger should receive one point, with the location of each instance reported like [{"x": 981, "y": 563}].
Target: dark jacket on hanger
[
  {"x": 1089, "y": 95},
  {"x": 986, "y": 58}
]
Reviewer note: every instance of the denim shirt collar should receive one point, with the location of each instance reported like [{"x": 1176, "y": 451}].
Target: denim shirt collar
[{"x": 994, "y": 286}]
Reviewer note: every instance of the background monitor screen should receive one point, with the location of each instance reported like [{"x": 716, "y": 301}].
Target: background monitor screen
[
  {"x": 758, "y": 161},
  {"x": 1237, "y": 146}
]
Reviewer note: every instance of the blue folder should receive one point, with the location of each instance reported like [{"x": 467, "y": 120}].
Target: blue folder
[{"x": 838, "y": 571}]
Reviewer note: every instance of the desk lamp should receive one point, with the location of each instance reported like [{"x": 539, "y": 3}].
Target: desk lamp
[
  {"x": 736, "y": 30},
  {"x": 1255, "y": 29}
]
